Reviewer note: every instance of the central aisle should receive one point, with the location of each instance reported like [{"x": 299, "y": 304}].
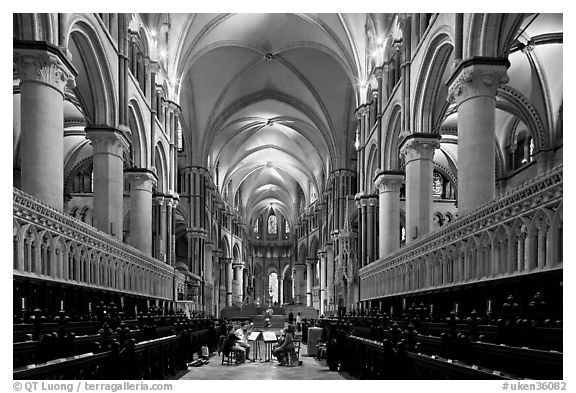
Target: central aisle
[{"x": 312, "y": 369}]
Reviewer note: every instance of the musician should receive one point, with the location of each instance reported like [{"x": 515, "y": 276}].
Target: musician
[
  {"x": 231, "y": 344},
  {"x": 287, "y": 344},
  {"x": 242, "y": 335}
]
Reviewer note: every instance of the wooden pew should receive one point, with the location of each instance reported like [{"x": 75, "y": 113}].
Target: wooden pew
[
  {"x": 152, "y": 359},
  {"x": 368, "y": 359}
]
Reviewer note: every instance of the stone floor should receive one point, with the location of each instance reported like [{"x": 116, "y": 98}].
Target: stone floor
[{"x": 311, "y": 369}]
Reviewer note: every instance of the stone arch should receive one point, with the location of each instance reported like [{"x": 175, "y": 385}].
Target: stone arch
[
  {"x": 36, "y": 27},
  {"x": 302, "y": 253},
  {"x": 161, "y": 166},
  {"x": 225, "y": 247},
  {"x": 97, "y": 86},
  {"x": 372, "y": 165},
  {"x": 138, "y": 135},
  {"x": 430, "y": 89},
  {"x": 490, "y": 34},
  {"x": 391, "y": 141},
  {"x": 557, "y": 232},
  {"x": 236, "y": 253},
  {"x": 521, "y": 107},
  {"x": 502, "y": 250},
  {"x": 485, "y": 254},
  {"x": 313, "y": 248}
]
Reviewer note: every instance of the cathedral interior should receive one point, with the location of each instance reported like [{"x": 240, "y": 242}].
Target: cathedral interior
[{"x": 396, "y": 180}]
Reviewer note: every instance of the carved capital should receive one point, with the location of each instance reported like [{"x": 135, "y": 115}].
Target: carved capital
[
  {"x": 43, "y": 67},
  {"x": 389, "y": 181},
  {"x": 419, "y": 146},
  {"x": 107, "y": 140},
  {"x": 475, "y": 78},
  {"x": 372, "y": 202},
  {"x": 363, "y": 202},
  {"x": 360, "y": 112},
  {"x": 140, "y": 179}
]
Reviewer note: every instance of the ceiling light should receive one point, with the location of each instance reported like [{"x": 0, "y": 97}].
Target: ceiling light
[
  {"x": 153, "y": 33},
  {"x": 163, "y": 53}
]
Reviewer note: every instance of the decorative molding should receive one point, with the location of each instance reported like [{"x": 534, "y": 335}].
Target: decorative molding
[
  {"x": 141, "y": 178},
  {"x": 28, "y": 210},
  {"x": 544, "y": 191},
  {"x": 419, "y": 146},
  {"x": 477, "y": 77},
  {"x": 45, "y": 63},
  {"x": 107, "y": 140},
  {"x": 389, "y": 181}
]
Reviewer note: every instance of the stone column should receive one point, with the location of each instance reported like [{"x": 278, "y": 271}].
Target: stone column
[
  {"x": 108, "y": 188},
  {"x": 141, "y": 181},
  {"x": 280, "y": 290},
  {"x": 322, "y": 260},
  {"x": 309, "y": 280},
  {"x": 473, "y": 88},
  {"x": 229, "y": 276},
  {"x": 330, "y": 274},
  {"x": 418, "y": 152},
  {"x": 44, "y": 74},
  {"x": 299, "y": 295},
  {"x": 208, "y": 276},
  {"x": 161, "y": 203},
  {"x": 370, "y": 229},
  {"x": 241, "y": 282},
  {"x": 388, "y": 184},
  {"x": 362, "y": 203},
  {"x": 171, "y": 237}
]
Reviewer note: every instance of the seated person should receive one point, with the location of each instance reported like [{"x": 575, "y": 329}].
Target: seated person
[
  {"x": 242, "y": 339},
  {"x": 281, "y": 352},
  {"x": 230, "y": 344}
]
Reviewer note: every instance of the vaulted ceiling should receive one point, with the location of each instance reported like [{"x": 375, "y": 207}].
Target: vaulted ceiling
[{"x": 268, "y": 100}]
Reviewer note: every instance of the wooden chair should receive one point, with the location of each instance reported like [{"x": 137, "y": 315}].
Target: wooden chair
[
  {"x": 294, "y": 355},
  {"x": 229, "y": 358},
  {"x": 220, "y": 344}
]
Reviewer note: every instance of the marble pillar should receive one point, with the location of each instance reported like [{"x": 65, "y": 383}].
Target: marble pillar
[
  {"x": 473, "y": 88},
  {"x": 141, "y": 182},
  {"x": 418, "y": 152},
  {"x": 44, "y": 75},
  {"x": 388, "y": 184}
]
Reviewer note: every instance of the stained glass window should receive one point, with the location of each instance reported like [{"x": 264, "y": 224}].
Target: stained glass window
[
  {"x": 256, "y": 226},
  {"x": 272, "y": 224},
  {"x": 437, "y": 186},
  {"x": 287, "y": 226}
]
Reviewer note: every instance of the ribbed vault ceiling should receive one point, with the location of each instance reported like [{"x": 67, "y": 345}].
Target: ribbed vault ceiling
[{"x": 268, "y": 100}]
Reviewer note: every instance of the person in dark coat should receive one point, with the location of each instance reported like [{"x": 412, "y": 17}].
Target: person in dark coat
[
  {"x": 230, "y": 344},
  {"x": 291, "y": 318},
  {"x": 281, "y": 352}
]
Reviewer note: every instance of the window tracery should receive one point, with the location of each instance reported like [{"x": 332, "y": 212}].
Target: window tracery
[{"x": 272, "y": 224}]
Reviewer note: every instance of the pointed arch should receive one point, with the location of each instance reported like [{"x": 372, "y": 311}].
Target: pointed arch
[
  {"x": 94, "y": 82},
  {"x": 138, "y": 135}
]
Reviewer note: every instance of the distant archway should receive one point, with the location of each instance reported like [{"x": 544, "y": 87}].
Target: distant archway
[{"x": 273, "y": 288}]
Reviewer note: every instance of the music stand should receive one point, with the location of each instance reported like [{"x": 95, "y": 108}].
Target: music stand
[
  {"x": 269, "y": 339},
  {"x": 255, "y": 337}
]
